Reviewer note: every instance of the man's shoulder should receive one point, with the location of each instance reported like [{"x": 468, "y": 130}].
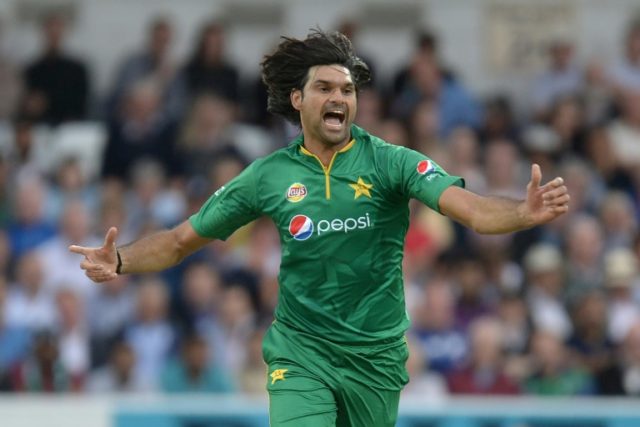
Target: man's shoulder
[
  {"x": 278, "y": 158},
  {"x": 375, "y": 142}
]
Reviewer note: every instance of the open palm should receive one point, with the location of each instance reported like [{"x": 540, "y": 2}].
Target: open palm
[{"x": 547, "y": 202}]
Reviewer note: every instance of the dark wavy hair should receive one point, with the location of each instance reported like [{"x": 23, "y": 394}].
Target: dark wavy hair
[{"x": 287, "y": 68}]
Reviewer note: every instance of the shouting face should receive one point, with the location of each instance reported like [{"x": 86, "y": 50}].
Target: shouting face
[{"x": 327, "y": 104}]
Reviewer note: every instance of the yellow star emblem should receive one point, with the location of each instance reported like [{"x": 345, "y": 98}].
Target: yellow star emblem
[
  {"x": 362, "y": 188},
  {"x": 278, "y": 374}
]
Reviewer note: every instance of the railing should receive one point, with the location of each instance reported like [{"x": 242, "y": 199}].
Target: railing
[{"x": 219, "y": 411}]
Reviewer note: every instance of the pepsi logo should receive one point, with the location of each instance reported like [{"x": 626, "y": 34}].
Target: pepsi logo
[
  {"x": 301, "y": 227},
  {"x": 424, "y": 167},
  {"x": 296, "y": 192}
]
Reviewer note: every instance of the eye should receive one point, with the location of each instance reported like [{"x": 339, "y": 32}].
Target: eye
[
  {"x": 324, "y": 89},
  {"x": 348, "y": 91}
]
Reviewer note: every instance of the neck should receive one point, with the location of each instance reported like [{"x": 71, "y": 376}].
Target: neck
[{"x": 323, "y": 151}]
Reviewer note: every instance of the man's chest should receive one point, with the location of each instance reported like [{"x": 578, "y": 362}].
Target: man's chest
[{"x": 305, "y": 201}]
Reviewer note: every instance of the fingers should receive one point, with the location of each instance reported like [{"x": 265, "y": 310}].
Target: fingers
[
  {"x": 556, "y": 196},
  {"x": 560, "y": 209},
  {"x": 97, "y": 272},
  {"x": 110, "y": 238},
  {"x": 554, "y": 183},
  {"x": 80, "y": 250},
  {"x": 100, "y": 277},
  {"x": 536, "y": 176},
  {"x": 93, "y": 267}
]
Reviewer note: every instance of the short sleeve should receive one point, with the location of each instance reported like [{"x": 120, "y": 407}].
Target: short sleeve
[
  {"x": 419, "y": 177},
  {"x": 229, "y": 208}
]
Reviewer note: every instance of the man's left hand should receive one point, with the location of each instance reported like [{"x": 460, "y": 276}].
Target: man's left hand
[{"x": 544, "y": 203}]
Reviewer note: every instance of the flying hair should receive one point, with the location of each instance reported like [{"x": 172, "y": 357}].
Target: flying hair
[{"x": 287, "y": 68}]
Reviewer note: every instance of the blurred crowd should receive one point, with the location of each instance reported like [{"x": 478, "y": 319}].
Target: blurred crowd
[{"x": 550, "y": 311}]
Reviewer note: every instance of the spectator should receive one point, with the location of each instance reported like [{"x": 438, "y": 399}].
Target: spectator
[
  {"x": 464, "y": 158},
  {"x": 426, "y": 48},
  {"x": 584, "y": 242},
  {"x": 625, "y": 131},
  {"x": 212, "y": 129},
  {"x": 370, "y": 109},
  {"x": 5, "y": 202},
  {"x": 29, "y": 304},
  {"x": 545, "y": 290},
  {"x": 151, "y": 335},
  {"x": 435, "y": 330},
  {"x": 562, "y": 77},
  {"x": 592, "y": 349},
  {"x": 153, "y": 62},
  {"x": 456, "y": 106},
  {"x": 208, "y": 71},
  {"x": 22, "y": 153},
  {"x": 597, "y": 94},
  {"x": 118, "y": 376},
  {"x": 621, "y": 377},
  {"x": 193, "y": 371},
  {"x": 475, "y": 297},
  {"x": 618, "y": 218},
  {"x": 15, "y": 343},
  {"x": 625, "y": 74},
  {"x": 11, "y": 83},
  {"x": 110, "y": 310},
  {"x": 140, "y": 130},
  {"x": 57, "y": 85},
  {"x": 73, "y": 339},
  {"x": 252, "y": 375},
  {"x": 29, "y": 227},
  {"x": 566, "y": 119},
  {"x": 200, "y": 290},
  {"x": 516, "y": 325},
  {"x": 237, "y": 318},
  {"x": 484, "y": 373},
  {"x": 69, "y": 183},
  {"x": 152, "y": 202},
  {"x": 553, "y": 373},
  {"x": 423, "y": 384},
  {"x": 499, "y": 120},
  {"x": 58, "y": 262},
  {"x": 543, "y": 146},
  {"x": 43, "y": 371},
  {"x": 621, "y": 282},
  {"x": 424, "y": 125},
  {"x": 602, "y": 158}
]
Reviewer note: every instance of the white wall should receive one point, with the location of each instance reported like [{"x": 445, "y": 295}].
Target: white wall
[{"x": 108, "y": 29}]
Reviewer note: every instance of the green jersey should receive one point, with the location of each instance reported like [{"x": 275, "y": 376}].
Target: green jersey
[{"x": 342, "y": 230}]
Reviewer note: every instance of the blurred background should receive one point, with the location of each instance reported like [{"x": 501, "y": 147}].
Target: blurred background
[{"x": 131, "y": 113}]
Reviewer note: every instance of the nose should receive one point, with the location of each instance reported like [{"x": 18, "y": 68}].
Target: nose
[{"x": 336, "y": 96}]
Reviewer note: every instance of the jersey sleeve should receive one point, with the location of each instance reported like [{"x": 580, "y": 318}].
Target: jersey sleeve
[
  {"x": 417, "y": 176},
  {"x": 229, "y": 208}
]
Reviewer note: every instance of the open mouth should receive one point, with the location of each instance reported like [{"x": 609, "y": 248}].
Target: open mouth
[{"x": 334, "y": 118}]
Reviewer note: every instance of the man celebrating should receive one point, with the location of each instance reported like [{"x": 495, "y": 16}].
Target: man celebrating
[{"x": 339, "y": 198}]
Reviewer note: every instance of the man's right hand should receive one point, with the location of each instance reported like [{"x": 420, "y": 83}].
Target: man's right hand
[{"x": 100, "y": 263}]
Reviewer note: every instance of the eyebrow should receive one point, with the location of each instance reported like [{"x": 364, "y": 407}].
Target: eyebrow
[{"x": 328, "y": 82}]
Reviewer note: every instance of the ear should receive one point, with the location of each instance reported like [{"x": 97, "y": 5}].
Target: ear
[{"x": 296, "y": 99}]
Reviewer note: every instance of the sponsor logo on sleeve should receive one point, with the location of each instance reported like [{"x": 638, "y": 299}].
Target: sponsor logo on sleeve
[
  {"x": 425, "y": 167},
  {"x": 219, "y": 191},
  {"x": 296, "y": 192}
]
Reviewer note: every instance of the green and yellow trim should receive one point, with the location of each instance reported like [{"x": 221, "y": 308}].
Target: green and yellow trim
[{"x": 327, "y": 169}]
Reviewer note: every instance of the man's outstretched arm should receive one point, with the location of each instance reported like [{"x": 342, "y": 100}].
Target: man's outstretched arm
[
  {"x": 494, "y": 215},
  {"x": 155, "y": 252}
]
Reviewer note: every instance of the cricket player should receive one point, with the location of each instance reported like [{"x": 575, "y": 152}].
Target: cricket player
[{"x": 339, "y": 198}]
